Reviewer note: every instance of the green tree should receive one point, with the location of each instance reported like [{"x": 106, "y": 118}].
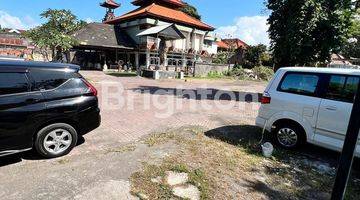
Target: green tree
[
  {"x": 55, "y": 34},
  {"x": 191, "y": 10},
  {"x": 1, "y": 29},
  {"x": 352, "y": 46},
  {"x": 221, "y": 58},
  {"x": 306, "y": 32},
  {"x": 255, "y": 56}
]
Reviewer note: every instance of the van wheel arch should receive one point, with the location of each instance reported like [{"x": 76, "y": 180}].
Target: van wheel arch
[{"x": 289, "y": 123}]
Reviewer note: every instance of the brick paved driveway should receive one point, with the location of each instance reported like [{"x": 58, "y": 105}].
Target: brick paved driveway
[
  {"x": 151, "y": 106},
  {"x": 90, "y": 171}
]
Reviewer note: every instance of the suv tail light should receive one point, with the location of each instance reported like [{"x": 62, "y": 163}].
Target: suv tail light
[
  {"x": 266, "y": 99},
  {"x": 91, "y": 87}
]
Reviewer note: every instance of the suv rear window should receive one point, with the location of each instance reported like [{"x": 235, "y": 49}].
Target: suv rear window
[
  {"x": 13, "y": 83},
  {"x": 46, "y": 79},
  {"x": 342, "y": 88},
  {"x": 298, "y": 83}
]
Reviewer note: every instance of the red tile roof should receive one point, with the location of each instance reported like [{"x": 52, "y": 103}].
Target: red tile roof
[
  {"x": 237, "y": 43},
  {"x": 222, "y": 45},
  {"x": 162, "y": 12},
  {"x": 179, "y": 3}
]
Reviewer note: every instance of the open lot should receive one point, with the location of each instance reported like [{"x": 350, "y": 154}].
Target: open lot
[{"x": 142, "y": 126}]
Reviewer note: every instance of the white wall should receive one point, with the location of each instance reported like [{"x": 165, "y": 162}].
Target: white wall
[
  {"x": 132, "y": 28},
  {"x": 180, "y": 44},
  {"x": 211, "y": 49}
]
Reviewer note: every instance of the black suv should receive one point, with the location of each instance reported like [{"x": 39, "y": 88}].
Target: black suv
[{"x": 44, "y": 106}]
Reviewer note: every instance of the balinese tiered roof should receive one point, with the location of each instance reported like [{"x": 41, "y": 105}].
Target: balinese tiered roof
[
  {"x": 165, "y": 13},
  {"x": 174, "y": 3},
  {"x": 110, "y": 4}
]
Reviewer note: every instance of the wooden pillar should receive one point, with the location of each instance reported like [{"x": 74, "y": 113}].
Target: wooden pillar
[
  {"x": 137, "y": 64},
  {"x": 202, "y": 42},
  {"x": 137, "y": 60},
  {"x": 188, "y": 38},
  {"x": 147, "y": 59},
  {"x": 165, "y": 61},
  {"x": 184, "y": 60},
  {"x": 193, "y": 41}
]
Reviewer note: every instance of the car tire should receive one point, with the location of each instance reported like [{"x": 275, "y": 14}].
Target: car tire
[
  {"x": 56, "y": 140},
  {"x": 289, "y": 136}
]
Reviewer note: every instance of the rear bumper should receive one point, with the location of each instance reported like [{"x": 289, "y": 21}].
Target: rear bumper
[
  {"x": 260, "y": 122},
  {"x": 89, "y": 120}
]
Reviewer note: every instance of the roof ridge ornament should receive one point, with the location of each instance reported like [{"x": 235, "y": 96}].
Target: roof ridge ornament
[{"x": 110, "y": 6}]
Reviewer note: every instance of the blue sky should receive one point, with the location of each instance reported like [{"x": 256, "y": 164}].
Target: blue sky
[{"x": 238, "y": 18}]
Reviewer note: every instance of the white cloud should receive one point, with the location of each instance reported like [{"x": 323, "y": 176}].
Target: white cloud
[
  {"x": 29, "y": 22},
  {"x": 9, "y": 21},
  {"x": 250, "y": 29},
  {"x": 89, "y": 20}
]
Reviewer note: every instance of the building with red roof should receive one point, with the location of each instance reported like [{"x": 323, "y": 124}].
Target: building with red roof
[
  {"x": 222, "y": 46},
  {"x": 12, "y": 43},
  {"x": 158, "y": 35},
  {"x": 227, "y": 44},
  {"x": 162, "y": 12},
  {"x": 235, "y": 43}
]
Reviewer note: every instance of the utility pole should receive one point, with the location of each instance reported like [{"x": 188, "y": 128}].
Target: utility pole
[{"x": 347, "y": 155}]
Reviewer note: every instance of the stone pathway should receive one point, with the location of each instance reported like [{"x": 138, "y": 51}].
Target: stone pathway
[{"x": 179, "y": 185}]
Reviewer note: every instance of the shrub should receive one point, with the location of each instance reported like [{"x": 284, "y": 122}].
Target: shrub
[
  {"x": 215, "y": 74},
  {"x": 221, "y": 58},
  {"x": 238, "y": 72},
  {"x": 263, "y": 73}
]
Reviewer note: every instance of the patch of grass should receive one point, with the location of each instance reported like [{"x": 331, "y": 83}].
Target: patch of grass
[
  {"x": 122, "y": 74},
  {"x": 226, "y": 161},
  {"x": 181, "y": 168},
  {"x": 198, "y": 178},
  {"x": 142, "y": 184},
  {"x": 156, "y": 139},
  {"x": 63, "y": 161},
  {"x": 215, "y": 74}
]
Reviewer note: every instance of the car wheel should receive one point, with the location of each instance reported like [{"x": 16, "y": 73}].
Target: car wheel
[
  {"x": 56, "y": 140},
  {"x": 289, "y": 136}
]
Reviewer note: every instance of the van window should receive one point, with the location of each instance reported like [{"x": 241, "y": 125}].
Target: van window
[
  {"x": 342, "y": 88},
  {"x": 13, "y": 83},
  {"x": 298, "y": 83},
  {"x": 48, "y": 79}
]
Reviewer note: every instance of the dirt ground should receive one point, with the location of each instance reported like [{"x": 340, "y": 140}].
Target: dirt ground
[{"x": 227, "y": 163}]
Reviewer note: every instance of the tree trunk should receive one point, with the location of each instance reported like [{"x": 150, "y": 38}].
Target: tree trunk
[{"x": 53, "y": 54}]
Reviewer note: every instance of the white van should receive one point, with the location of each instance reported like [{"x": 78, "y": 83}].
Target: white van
[{"x": 313, "y": 105}]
